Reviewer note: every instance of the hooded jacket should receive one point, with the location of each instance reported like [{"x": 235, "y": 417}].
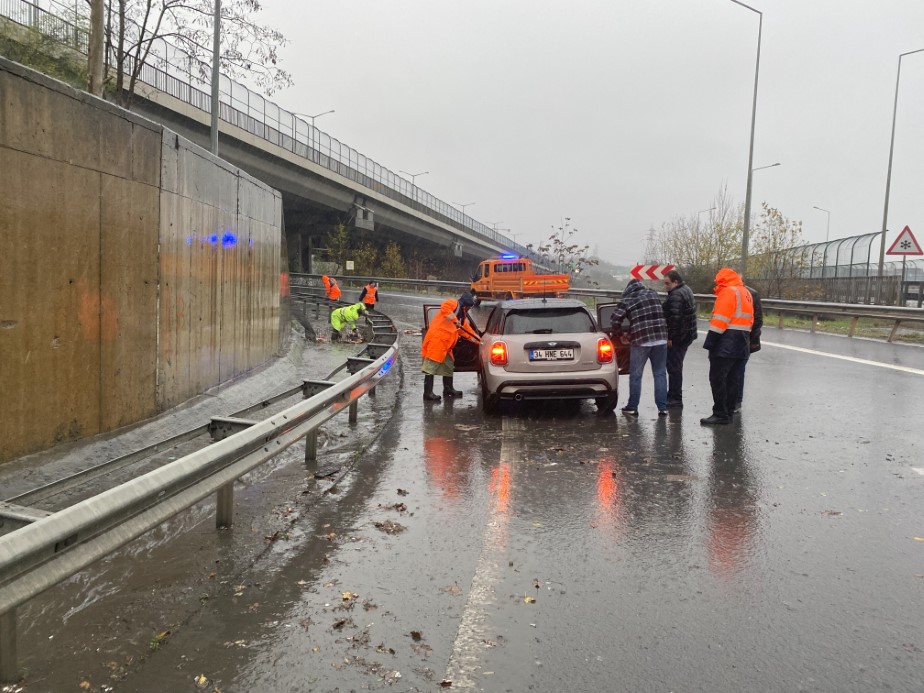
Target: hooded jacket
[
  {"x": 729, "y": 333},
  {"x": 442, "y": 334},
  {"x": 642, "y": 307},
  {"x": 331, "y": 287},
  {"x": 346, "y": 316}
]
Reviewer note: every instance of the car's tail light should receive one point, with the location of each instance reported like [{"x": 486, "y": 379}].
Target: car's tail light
[
  {"x": 604, "y": 350},
  {"x": 499, "y": 354}
]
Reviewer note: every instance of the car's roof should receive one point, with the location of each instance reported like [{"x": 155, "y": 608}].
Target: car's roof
[{"x": 540, "y": 303}]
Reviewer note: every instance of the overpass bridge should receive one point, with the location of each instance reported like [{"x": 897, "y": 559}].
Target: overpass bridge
[{"x": 322, "y": 180}]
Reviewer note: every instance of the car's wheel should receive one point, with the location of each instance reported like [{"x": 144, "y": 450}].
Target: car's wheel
[
  {"x": 490, "y": 402},
  {"x": 606, "y": 404}
]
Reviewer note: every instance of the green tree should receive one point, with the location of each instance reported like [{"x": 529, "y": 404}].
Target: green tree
[
  {"x": 338, "y": 246},
  {"x": 366, "y": 259},
  {"x": 392, "y": 264}
]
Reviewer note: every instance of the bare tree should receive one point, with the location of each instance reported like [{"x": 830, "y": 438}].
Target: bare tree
[
  {"x": 701, "y": 247},
  {"x": 769, "y": 262},
  {"x": 572, "y": 258},
  {"x": 162, "y": 32}
]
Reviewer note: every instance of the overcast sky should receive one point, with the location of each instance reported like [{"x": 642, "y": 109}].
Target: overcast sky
[{"x": 622, "y": 114}]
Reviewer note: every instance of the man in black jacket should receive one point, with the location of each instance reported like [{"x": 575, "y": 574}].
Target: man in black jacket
[{"x": 680, "y": 314}]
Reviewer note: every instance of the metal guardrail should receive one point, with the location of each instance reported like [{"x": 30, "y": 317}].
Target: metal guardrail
[
  {"x": 47, "y": 548},
  {"x": 897, "y": 315}
]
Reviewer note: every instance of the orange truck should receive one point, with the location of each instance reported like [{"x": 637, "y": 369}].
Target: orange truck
[{"x": 513, "y": 277}]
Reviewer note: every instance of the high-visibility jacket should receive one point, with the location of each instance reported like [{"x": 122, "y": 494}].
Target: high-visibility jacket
[
  {"x": 442, "y": 334},
  {"x": 331, "y": 287},
  {"x": 732, "y": 317},
  {"x": 369, "y": 295},
  {"x": 346, "y": 316}
]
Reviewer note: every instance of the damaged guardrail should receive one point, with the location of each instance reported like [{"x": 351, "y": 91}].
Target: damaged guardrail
[{"x": 50, "y": 547}]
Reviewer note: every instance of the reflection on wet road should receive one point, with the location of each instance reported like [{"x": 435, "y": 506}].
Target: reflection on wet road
[{"x": 551, "y": 549}]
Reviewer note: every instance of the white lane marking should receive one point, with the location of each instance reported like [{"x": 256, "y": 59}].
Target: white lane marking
[
  {"x": 919, "y": 470},
  {"x": 472, "y": 634},
  {"x": 852, "y": 359}
]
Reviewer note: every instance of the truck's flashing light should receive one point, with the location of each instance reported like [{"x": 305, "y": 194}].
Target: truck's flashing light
[{"x": 508, "y": 256}]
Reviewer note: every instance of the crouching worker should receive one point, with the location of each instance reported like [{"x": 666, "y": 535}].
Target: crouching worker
[
  {"x": 441, "y": 337},
  {"x": 343, "y": 322}
]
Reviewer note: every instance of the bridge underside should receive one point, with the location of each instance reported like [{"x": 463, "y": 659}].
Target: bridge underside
[{"x": 315, "y": 201}]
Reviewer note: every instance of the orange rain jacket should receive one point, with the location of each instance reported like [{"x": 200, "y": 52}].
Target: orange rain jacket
[
  {"x": 442, "y": 334},
  {"x": 331, "y": 287},
  {"x": 729, "y": 333}
]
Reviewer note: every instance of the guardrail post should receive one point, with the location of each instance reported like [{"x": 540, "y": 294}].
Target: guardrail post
[
  {"x": 9, "y": 671},
  {"x": 894, "y": 330},
  {"x": 224, "y": 512},
  {"x": 311, "y": 451},
  {"x": 354, "y": 411},
  {"x": 814, "y": 323},
  {"x": 852, "y": 330}
]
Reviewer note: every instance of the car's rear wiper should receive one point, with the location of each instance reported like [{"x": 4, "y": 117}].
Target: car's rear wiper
[{"x": 544, "y": 330}]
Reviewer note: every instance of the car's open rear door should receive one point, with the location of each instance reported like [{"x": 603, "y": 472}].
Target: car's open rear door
[
  {"x": 465, "y": 353},
  {"x": 604, "y": 311}
]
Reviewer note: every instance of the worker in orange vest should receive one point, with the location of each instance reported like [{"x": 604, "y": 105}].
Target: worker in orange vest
[
  {"x": 442, "y": 334},
  {"x": 368, "y": 294},
  {"x": 728, "y": 342},
  {"x": 331, "y": 288}
]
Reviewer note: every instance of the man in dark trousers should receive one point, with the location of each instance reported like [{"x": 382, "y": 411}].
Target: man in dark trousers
[
  {"x": 680, "y": 314},
  {"x": 648, "y": 341},
  {"x": 755, "y": 343},
  {"x": 728, "y": 343}
]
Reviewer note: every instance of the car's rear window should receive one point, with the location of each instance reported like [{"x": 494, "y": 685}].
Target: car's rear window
[{"x": 548, "y": 321}]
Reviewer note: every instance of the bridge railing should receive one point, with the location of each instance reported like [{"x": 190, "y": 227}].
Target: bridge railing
[{"x": 249, "y": 111}]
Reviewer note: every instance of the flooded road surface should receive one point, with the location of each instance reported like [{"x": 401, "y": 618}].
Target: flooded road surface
[{"x": 551, "y": 549}]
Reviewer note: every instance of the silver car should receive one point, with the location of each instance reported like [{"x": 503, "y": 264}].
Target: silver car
[{"x": 546, "y": 348}]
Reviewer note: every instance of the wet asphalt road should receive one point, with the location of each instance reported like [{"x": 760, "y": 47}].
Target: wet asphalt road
[{"x": 550, "y": 549}]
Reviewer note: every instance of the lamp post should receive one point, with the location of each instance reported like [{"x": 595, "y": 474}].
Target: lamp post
[
  {"x": 828, "y": 225},
  {"x": 311, "y": 118},
  {"x": 747, "y": 196},
  {"x": 414, "y": 176},
  {"x": 463, "y": 206},
  {"x": 885, "y": 210},
  {"x": 216, "y": 51}
]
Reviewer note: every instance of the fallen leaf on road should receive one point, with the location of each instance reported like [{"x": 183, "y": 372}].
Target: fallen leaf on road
[
  {"x": 202, "y": 681},
  {"x": 529, "y": 600},
  {"x": 452, "y": 589},
  {"x": 85, "y": 685},
  {"x": 347, "y": 596},
  {"x": 402, "y": 492},
  {"x": 416, "y": 635},
  {"x": 389, "y": 527},
  {"x": 835, "y": 513},
  {"x": 919, "y": 538},
  {"x": 446, "y": 683}
]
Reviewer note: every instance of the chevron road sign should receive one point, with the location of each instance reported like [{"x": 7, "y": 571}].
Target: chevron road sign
[{"x": 650, "y": 271}]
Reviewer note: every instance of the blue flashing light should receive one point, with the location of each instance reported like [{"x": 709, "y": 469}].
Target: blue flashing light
[
  {"x": 250, "y": 243},
  {"x": 189, "y": 240},
  {"x": 213, "y": 239},
  {"x": 228, "y": 240},
  {"x": 508, "y": 256}
]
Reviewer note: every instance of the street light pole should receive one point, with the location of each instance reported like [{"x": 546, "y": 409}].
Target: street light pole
[
  {"x": 885, "y": 210},
  {"x": 313, "y": 143},
  {"x": 828, "y": 225},
  {"x": 463, "y": 206},
  {"x": 747, "y": 196},
  {"x": 216, "y": 76}
]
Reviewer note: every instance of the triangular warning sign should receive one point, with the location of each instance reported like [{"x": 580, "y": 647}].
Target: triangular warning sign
[{"x": 905, "y": 244}]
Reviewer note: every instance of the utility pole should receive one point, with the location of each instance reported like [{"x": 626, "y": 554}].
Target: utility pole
[{"x": 96, "y": 48}]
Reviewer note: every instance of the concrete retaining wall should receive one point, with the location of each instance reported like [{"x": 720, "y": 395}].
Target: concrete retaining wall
[{"x": 136, "y": 270}]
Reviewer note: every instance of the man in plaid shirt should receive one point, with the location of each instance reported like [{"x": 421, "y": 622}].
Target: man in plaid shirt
[{"x": 647, "y": 334}]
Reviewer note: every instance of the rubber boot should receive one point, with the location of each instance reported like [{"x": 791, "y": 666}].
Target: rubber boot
[
  {"x": 428, "y": 390},
  {"x": 448, "y": 389}
]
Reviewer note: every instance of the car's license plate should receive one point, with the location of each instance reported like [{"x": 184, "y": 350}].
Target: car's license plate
[{"x": 551, "y": 354}]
